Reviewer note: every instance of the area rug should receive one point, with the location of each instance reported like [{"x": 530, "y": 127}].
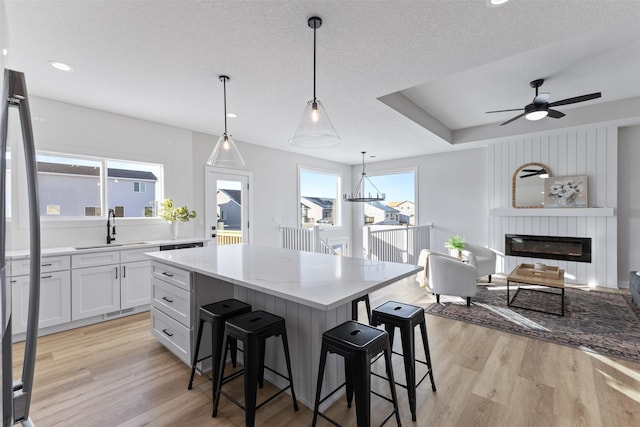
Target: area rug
[{"x": 600, "y": 322}]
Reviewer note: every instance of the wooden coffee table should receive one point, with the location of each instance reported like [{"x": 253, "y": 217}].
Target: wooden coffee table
[{"x": 548, "y": 276}]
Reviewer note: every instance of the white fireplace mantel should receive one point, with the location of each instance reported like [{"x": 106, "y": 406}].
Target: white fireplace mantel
[{"x": 553, "y": 212}]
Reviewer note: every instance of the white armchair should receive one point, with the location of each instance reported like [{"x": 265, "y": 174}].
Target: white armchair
[
  {"x": 446, "y": 275},
  {"x": 482, "y": 258}
]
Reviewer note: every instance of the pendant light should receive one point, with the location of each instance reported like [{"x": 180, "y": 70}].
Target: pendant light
[
  {"x": 225, "y": 153},
  {"x": 358, "y": 195},
  {"x": 315, "y": 129}
]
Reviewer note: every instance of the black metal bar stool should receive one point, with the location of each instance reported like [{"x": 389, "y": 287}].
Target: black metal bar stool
[
  {"x": 358, "y": 344},
  {"x": 406, "y": 317},
  {"x": 253, "y": 329},
  {"x": 216, "y": 314},
  {"x": 354, "y": 307}
]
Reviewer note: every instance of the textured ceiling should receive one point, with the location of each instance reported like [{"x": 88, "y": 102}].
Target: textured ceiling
[{"x": 398, "y": 78}]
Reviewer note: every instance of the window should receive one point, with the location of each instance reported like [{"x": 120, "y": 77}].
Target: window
[
  {"x": 67, "y": 185},
  {"x": 133, "y": 189},
  {"x": 319, "y": 201},
  {"x": 139, "y": 187},
  {"x": 74, "y": 186},
  {"x": 399, "y": 206}
]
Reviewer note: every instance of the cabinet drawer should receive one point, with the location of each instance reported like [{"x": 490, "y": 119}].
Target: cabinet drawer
[
  {"x": 171, "y": 300},
  {"x": 93, "y": 259},
  {"x": 173, "y": 335},
  {"x": 173, "y": 275},
  {"x": 131, "y": 255},
  {"x": 48, "y": 264}
]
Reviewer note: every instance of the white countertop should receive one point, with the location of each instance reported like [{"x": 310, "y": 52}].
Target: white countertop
[
  {"x": 312, "y": 279},
  {"x": 100, "y": 247}
]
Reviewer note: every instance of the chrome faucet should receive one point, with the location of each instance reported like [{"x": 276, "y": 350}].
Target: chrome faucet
[{"x": 111, "y": 230}]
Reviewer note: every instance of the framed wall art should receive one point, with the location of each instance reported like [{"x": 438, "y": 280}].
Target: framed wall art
[{"x": 566, "y": 192}]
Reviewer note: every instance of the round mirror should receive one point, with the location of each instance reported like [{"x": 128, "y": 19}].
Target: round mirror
[{"x": 528, "y": 185}]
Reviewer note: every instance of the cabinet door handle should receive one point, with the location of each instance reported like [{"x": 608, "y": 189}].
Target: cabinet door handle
[
  {"x": 167, "y": 333},
  {"x": 167, "y": 299},
  {"x": 116, "y": 272},
  {"x": 12, "y": 281},
  {"x": 46, "y": 277},
  {"x": 167, "y": 274},
  {"x": 124, "y": 271},
  {"x": 46, "y": 265}
]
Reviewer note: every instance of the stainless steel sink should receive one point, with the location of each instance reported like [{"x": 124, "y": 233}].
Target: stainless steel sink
[{"x": 105, "y": 245}]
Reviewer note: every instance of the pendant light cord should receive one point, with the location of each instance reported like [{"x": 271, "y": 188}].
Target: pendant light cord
[
  {"x": 314, "y": 63},
  {"x": 224, "y": 89}
]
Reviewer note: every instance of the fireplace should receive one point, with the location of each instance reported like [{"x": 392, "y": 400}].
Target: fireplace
[{"x": 549, "y": 247}]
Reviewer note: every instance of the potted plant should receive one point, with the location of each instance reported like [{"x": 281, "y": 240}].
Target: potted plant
[
  {"x": 173, "y": 214},
  {"x": 455, "y": 243}
]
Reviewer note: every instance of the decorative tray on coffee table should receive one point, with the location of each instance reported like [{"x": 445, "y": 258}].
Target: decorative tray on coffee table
[{"x": 542, "y": 271}]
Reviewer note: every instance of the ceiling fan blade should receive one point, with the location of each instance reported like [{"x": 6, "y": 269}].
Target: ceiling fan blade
[
  {"x": 528, "y": 175},
  {"x": 504, "y": 111},
  {"x": 512, "y": 119},
  {"x": 555, "y": 114},
  {"x": 581, "y": 98},
  {"x": 542, "y": 98}
]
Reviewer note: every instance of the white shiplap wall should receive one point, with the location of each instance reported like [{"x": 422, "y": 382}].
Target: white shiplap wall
[{"x": 590, "y": 151}]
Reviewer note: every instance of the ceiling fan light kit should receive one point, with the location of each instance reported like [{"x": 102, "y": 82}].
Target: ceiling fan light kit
[
  {"x": 315, "y": 130},
  {"x": 359, "y": 195},
  {"x": 539, "y": 108},
  {"x": 225, "y": 153}
]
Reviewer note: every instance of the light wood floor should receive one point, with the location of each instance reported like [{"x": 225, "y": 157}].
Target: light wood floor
[{"x": 116, "y": 374}]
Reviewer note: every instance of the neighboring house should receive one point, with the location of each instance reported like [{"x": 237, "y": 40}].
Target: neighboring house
[
  {"x": 383, "y": 214},
  {"x": 72, "y": 190},
  {"x": 230, "y": 208},
  {"x": 406, "y": 208},
  {"x": 316, "y": 210}
]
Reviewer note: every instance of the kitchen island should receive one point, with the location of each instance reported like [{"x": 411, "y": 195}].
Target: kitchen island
[{"x": 312, "y": 291}]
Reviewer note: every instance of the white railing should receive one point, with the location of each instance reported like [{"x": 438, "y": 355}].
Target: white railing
[
  {"x": 304, "y": 239},
  {"x": 229, "y": 237},
  {"x": 400, "y": 244}
]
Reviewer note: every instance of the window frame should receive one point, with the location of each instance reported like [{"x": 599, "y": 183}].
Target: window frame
[
  {"x": 104, "y": 197},
  {"x": 338, "y": 206},
  {"x": 372, "y": 174}
]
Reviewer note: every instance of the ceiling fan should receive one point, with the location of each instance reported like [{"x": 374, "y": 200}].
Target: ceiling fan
[
  {"x": 532, "y": 172},
  {"x": 540, "y": 107}
]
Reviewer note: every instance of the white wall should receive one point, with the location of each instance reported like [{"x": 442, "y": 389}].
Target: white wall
[
  {"x": 274, "y": 195},
  {"x": 65, "y": 128},
  {"x": 591, "y": 151},
  {"x": 628, "y": 202},
  {"x": 451, "y": 194}
]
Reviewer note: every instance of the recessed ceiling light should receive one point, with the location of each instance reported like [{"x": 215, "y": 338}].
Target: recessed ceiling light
[
  {"x": 60, "y": 66},
  {"x": 232, "y": 115},
  {"x": 497, "y": 2}
]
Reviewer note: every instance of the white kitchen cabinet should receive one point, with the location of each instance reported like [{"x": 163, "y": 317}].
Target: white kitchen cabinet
[
  {"x": 171, "y": 309},
  {"x": 135, "y": 281},
  {"x": 55, "y": 300},
  {"x": 95, "y": 290},
  {"x": 135, "y": 284}
]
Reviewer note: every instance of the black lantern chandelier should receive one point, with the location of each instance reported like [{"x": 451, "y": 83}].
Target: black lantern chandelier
[{"x": 359, "y": 193}]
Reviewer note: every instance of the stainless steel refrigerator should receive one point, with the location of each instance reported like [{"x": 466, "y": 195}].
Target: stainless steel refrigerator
[{"x": 16, "y": 395}]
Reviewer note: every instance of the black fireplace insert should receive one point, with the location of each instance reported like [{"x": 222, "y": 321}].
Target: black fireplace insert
[{"x": 548, "y": 247}]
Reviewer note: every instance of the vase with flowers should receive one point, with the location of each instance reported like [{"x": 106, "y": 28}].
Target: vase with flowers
[
  {"x": 455, "y": 243},
  {"x": 175, "y": 214}
]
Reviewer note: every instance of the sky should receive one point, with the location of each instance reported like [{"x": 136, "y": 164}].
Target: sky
[{"x": 398, "y": 187}]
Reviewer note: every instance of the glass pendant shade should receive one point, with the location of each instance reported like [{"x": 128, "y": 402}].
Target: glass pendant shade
[
  {"x": 225, "y": 154},
  {"x": 315, "y": 128}
]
